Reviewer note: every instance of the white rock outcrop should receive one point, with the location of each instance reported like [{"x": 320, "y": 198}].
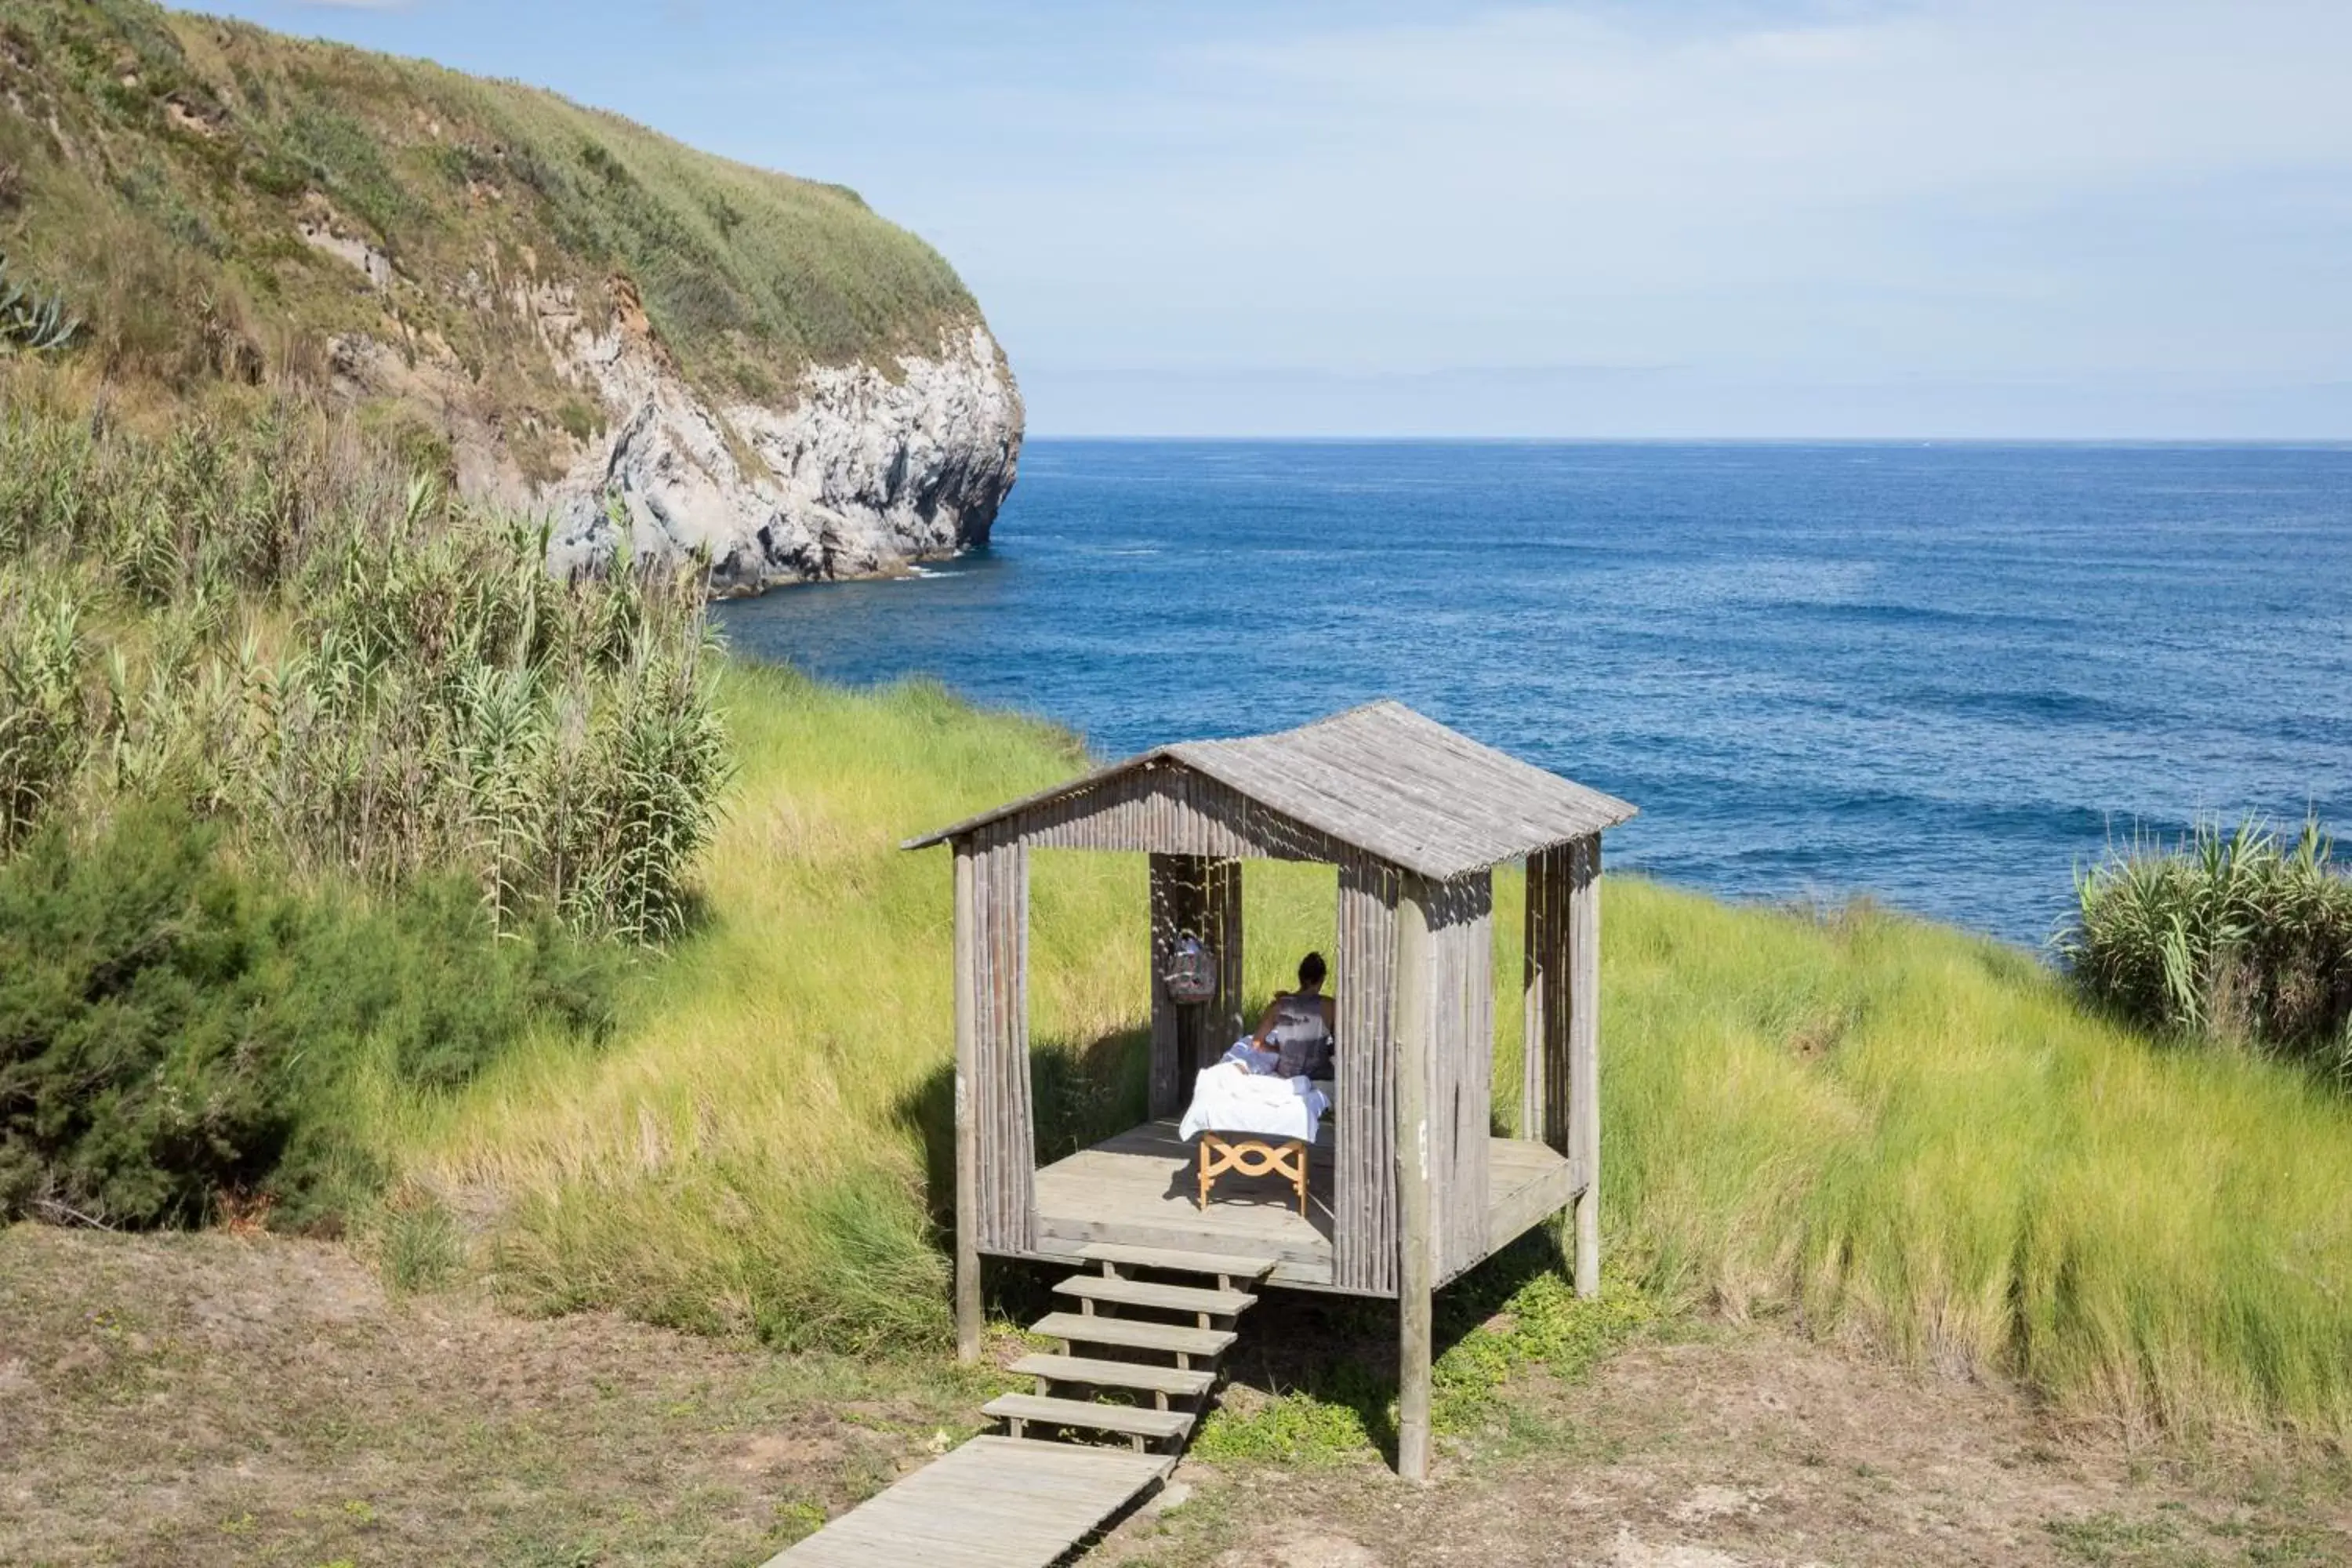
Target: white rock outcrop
[
  {"x": 866, "y": 472},
  {"x": 861, "y": 471}
]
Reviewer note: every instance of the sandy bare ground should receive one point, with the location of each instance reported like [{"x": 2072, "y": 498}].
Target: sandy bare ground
[{"x": 215, "y": 1399}]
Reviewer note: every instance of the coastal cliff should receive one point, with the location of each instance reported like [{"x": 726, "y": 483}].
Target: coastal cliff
[
  {"x": 555, "y": 310},
  {"x": 865, "y": 469},
  {"x": 864, "y": 472}
]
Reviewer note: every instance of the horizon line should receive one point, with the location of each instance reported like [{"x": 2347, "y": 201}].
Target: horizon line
[{"x": 2321, "y": 442}]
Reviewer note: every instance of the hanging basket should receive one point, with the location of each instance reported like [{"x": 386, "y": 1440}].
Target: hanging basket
[{"x": 1191, "y": 973}]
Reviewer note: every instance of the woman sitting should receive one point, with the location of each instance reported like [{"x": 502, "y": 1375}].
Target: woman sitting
[{"x": 1298, "y": 1029}]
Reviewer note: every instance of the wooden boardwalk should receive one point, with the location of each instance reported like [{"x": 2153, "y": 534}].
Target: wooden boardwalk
[
  {"x": 1025, "y": 1502},
  {"x": 996, "y": 1502}
]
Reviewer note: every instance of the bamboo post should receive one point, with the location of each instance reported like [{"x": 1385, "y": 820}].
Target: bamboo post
[
  {"x": 1364, "y": 1123},
  {"x": 967, "y": 1135},
  {"x": 1220, "y": 902},
  {"x": 1415, "y": 1248},
  {"x": 1535, "y": 965},
  {"x": 1585, "y": 1055}
]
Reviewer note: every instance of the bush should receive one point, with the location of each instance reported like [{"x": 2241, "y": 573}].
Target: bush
[
  {"x": 2229, "y": 936},
  {"x": 171, "y": 1032}
]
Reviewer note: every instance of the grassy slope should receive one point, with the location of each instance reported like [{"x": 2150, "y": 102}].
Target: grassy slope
[
  {"x": 1900, "y": 1130},
  {"x": 155, "y": 165}
]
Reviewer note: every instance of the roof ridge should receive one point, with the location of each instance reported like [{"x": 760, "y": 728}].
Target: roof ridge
[
  {"x": 1372, "y": 705},
  {"x": 1381, "y": 777}
]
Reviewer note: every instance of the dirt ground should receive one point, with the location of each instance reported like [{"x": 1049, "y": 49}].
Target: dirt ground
[
  {"x": 215, "y": 1399},
  {"x": 1752, "y": 1447}
]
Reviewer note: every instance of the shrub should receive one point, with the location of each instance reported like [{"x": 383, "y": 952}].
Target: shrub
[
  {"x": 2230, "y": 936},
  {"x": 130, "y": 1086},
  {"x": 170, "y": 1031}
]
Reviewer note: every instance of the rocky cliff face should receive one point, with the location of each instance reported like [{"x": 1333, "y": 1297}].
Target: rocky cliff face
[
  {"x": 868, "y": 470},
  {"x": 871, "y": 468},
  {"x": 563, "y": 312}
]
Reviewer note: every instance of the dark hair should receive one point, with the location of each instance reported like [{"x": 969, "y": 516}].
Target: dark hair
[{"x": 1310, "y": 970}]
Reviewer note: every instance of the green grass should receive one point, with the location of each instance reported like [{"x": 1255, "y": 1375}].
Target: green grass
[
  {"x": 1922, "y": 1136},
  {"x": 1897, "y": 1130},
  {"x": 287, "y": 633},
  {"x": 418, "y": 1244},
  {"x": 1333, "y": 1396}
]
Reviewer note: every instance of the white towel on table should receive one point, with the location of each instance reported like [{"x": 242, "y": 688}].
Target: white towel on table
[{"x": 1228, "y": 1097}]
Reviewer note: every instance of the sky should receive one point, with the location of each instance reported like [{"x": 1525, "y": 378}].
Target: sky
[{"x": 2009, "y": 218}]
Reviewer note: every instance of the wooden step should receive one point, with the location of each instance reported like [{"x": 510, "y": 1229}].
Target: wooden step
[
  {"x": 1130, "y": 1374},
  {"x": 1128, "y": 1420},
  {"x": 1134, "y": 1333},
  {"x": 995, "y": 1501},
  {"x": 1162, "y": 1297},
  {"x": 1225, "y": 1266}
]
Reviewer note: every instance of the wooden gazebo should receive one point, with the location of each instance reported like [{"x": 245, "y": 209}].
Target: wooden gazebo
[{"x": 1409, "y": 1185}]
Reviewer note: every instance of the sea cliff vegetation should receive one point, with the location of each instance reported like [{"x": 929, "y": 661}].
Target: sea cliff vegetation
[{"x": 217, "y": 201}]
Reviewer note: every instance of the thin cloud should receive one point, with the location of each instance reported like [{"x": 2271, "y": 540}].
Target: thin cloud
[{"x": 1981, "y": 207}]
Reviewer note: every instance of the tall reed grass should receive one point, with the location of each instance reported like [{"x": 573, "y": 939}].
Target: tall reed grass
[
  {"x": 1891, "y": 1130},
  {"x": 2233, "y": 937},
  {"x": 273, "y": 623},
  {"x": 1899, "y": 1131}
]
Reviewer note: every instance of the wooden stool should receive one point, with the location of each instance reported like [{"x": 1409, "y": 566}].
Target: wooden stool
[{"x": 1253, "y": 1157}]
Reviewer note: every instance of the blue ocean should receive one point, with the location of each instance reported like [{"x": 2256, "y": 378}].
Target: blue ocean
[{"x": 1943, "y": 674}]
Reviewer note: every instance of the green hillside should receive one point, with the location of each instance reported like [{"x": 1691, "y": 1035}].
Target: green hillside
[
  {"x": 1897, "y": 1130},
  {"x": 161, "y": 171}
]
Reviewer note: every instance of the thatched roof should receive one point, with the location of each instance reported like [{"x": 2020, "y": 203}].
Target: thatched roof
[{"x": 1382, "y": 779}]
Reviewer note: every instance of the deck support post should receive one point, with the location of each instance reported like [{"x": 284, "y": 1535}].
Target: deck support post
[
  {"x": 967, "y": 1135},
  {"x": 1416, "y": 1246},
  {"x": 1584, "y": 1054}
]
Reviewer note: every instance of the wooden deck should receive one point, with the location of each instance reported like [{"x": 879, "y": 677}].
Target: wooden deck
[
  {"x": 1138, "y": 1188},
  {"x": 996, "y": 1502}
]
